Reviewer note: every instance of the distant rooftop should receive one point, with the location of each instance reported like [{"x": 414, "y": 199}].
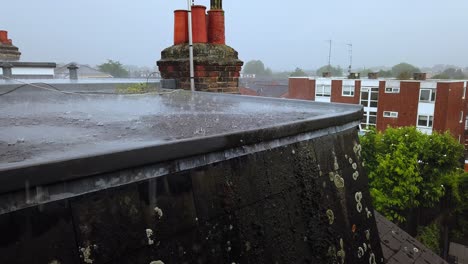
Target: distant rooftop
[{"x": 400, "y": 248}]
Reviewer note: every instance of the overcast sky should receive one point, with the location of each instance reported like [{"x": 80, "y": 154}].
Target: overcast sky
[{"x": 283, "y": 34}]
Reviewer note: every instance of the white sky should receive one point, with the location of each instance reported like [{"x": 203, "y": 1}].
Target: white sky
[{"x": 283, "y": 34}]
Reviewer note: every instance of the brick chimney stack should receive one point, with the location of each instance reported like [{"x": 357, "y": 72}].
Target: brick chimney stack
[
  {"x": 217, "y": 66},
  {"x": 8, "y": 52}
]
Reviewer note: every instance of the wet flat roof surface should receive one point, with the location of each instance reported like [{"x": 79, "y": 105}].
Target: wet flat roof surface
[{"x": 43, "y": 127}]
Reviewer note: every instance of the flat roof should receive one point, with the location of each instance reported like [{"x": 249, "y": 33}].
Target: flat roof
[
  {"x": 378, "y": 79},
  {"x": 48, "y": 136},
  {"x": 15, "y": 81}
]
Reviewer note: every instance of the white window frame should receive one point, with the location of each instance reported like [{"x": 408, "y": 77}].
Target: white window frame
[
  {"x": 392, "y": 90},
  {"x": 461, "y": 117},
  {"x": 390, "y": 114},
  {"x": 429, "y": 117},
  {"x": 320, "y": 90},
  {"x": 432, "y": 95},
  {"x": 348, "y": 90}
]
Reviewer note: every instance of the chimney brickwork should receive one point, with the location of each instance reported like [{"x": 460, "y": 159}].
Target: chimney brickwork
[
  {"x": 217, "y": 66},
  {"x": 8, "y": 52}
]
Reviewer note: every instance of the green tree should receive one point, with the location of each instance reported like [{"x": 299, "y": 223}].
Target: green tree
[
  {"x": 385, "y": 74},
  {"x": 257, "y": 67},
  {"x": 365, "y": 72},
  {"x": 430, "y": 236},
  {"x": 114, "y": 68},
  {"x": 451, "y": 73},
  {"x": 298, "y": 72},
  {"x": 407, "y": 169},
  {"x": 335, "y": 71},
  {"x": 404, "y": 71}
]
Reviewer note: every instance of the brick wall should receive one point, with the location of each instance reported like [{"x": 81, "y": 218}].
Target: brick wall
[
  {"x": 337, "y": 93},
  {"x": 448, "y": 108},
  {"x": 405, "y": 103},
  {"x": 301, "y": 88}
]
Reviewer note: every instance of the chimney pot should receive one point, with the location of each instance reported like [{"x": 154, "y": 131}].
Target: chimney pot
[
  {"x": 3, "y": 36},
  {"x": 199, "y": 32},
  {"x": 180, "y": 27},
  {"x": 216, "y": 27}
]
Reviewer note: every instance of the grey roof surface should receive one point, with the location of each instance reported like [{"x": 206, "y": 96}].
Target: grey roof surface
[
  {"x": 400, "y": 248},
  {"x": 50, "y": 133}
]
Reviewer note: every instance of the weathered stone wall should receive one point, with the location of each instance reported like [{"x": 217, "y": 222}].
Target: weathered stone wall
[
  {"x": 217, "y": 67},
  {"x": 306, "y": 202},
  {"x": 9, "y": 53}
]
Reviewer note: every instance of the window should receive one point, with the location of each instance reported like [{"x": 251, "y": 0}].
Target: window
[
  {"x": 369, "y": 96},
  {"x": 390, "y": 114},
  {"x": 461, "y": 117},
  {"x": 425, "y": 121},
  {"x": 392, "y": 90},
  {"x": 348, "y": 90},
  {"x": 427, "y": 95},
  {"x": 323, "y": 90}
]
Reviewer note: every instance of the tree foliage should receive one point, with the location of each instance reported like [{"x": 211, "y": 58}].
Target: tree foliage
[
  {"x": 298, "y": 72},
  {"x": 335, "y": 71},
  {"x": 451, "y": 73},
  {"x": 408, "y": 169},
  {"x": 257, "y": 67},
  {"x": 114, "y": 68},
  {"x": 404, "y": 71},
  {"x": 430, "y": 237},
  {"x": 385, "y": 74}
]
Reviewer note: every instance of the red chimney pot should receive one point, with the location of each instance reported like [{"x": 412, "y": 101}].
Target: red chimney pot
[
  {"x": 216, "y": 27},
  {"x": 199, "y": 24},
  {"x": 180, "y": 27},
  {"x": 4, "y": 36}
]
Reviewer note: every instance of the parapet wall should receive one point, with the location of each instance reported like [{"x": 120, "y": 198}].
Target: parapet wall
[{"x": 300, "y": 199}]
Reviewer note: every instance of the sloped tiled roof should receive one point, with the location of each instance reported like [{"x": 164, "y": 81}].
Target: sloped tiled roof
[
  {"x": 247, "y": 91},
  {"x": 84, "y": 71},
  {"x": 400, "y": 248},
  {"x": 267, "y": 87}
]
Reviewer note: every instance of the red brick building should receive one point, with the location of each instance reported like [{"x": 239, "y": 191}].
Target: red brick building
[{"x": 430, "y": 105}]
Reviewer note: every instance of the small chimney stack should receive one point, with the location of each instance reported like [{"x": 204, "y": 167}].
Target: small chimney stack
[
  {"x": 7, "y": 72},
  {"x": 373, "y": 75},
  {"x": 73, "y": 71},
  {"x": 354, "y": 75},
  {"x": 8, "y": 52},
  {"x": 326, "y": 74},
  {"x": 217, "y": 66},
  {"x": 420, "y": 76}
]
